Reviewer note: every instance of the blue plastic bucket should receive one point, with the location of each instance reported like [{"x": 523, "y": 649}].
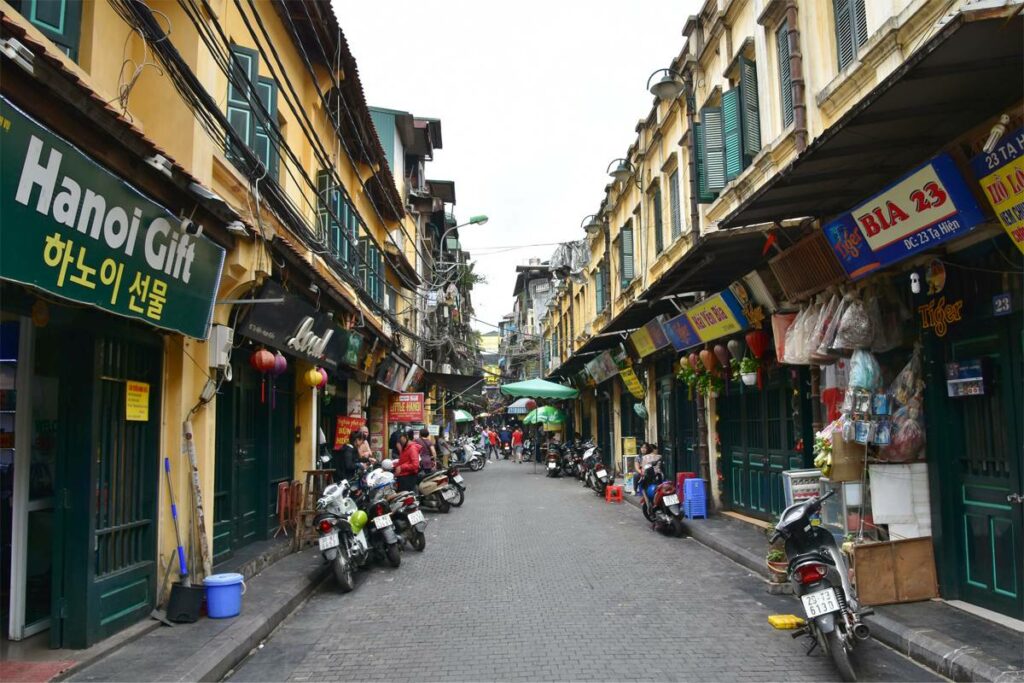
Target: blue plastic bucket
[{"x": 224, "y": 595}]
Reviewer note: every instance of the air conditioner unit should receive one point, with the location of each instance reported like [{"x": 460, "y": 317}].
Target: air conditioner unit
[
  {"x": 446, "y": 368},
  {"x": 428, "y": 364}
]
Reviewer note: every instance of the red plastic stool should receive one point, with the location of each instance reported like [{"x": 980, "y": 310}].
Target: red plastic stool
[{"x": 613, "y": 494}]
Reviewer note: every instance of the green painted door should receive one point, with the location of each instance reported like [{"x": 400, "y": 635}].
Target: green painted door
[
  {"x": 686, "y": 430},
  {"x": 759, "y": 432},
  {"x": 666, "y": 440},
  {"x": 236, "y": 487},
  {"x": 978, "y": 441}
]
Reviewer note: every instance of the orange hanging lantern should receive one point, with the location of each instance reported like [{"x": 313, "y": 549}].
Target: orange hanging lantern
[
  {"x": 263, "y": 362},
  {"x": 707, "y": 358}
]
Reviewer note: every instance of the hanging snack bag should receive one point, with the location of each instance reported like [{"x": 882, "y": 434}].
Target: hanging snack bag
[
  {"x": 864, "y": 371},
  {"x": 827, "y": 347},
  {"x": 828, "y": 312},
  {"x": 855, "y": 328},
  {"x": 909, "y": 382}
]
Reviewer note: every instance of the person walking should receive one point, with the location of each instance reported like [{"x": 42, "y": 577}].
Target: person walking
[
  {"x": 492, "y": 437},
  {"x": 408, "y": 462},
  {"x": 365, "y": 452},
  {"x": 517, "y": 444},
  {"x": 428, "y": 456}
]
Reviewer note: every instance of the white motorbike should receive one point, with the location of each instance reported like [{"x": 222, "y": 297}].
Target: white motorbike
[{"x": 343, "y": 543}]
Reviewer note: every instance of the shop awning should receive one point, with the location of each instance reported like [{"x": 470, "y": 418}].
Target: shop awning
[
  {"x": 521, "y": 406},
  {"x": 969, "y": 71},
  {"x": 458, "y": 384}
]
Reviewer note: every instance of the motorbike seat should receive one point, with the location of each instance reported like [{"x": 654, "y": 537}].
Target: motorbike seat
[{"x": 813, "y": 556}]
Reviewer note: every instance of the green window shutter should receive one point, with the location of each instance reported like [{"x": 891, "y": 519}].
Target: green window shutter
[
  {"x": 851, "y": 29},
  {"x": 711, "y": 126},
  {"x": 750, "y": 114},
  {"x": 244, "y": 67},
  {"x": 626, "y": 254},
  {"x": 673, "y": 198},
  {"x": 265, "y": 141},
  {"x": 704, "y": 195},
  {"x": 659, "y": 234},
  {"x": 58, "y": 20},
  {"x": 380, "y": 275},
  {"x": 354, "y": 241},
  {"x": 598, "y": 289},
  {"x": 323, "y": 217},
  {"x": 785, "y": 80},
  {"x": 731, "y": 133}
]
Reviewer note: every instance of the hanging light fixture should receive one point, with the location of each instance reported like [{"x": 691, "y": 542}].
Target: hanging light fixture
[
  {"x": 591, "y": 224},
  {"x": 667, "y": 88},
  {"x": 623, "y": 170}
]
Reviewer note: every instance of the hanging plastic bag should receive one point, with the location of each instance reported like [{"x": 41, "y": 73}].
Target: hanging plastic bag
[
  {"x": 864, "y": 371},
  {"x": 826, "y": 347},
  {"x": 793, "y": 341},
  {"x": 824, "y": 317},
  {"x": 781, "y": 322},
  {"x": 910, "y": 381},
  {"x": 907, "y": 437},
  {"x": 855, "y": 329}
]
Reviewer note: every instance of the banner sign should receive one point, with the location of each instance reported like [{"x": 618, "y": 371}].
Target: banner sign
[
  {"x": 717, "y": 316},
  {"x": 602, "y": 367},
  {"x": 1001, "y": 175},
  {"x": 930, "y": 205},
  {"x": 632, "y": 382},
  {"x": 74, "y": 229},
  {"x": 680, "y": 332},
  {"x": 295, "y": 327},
  {"x": 406, "y": 408},
  {"x": 649, "y": 338},
  {"x": 344, "y": 428}
]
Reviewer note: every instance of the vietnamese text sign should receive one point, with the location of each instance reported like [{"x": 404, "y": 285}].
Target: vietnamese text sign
[
  {"x": 602, "y": 367},
  {"x": 344, "y": 428},
  {"x": 632, "y": 382},
  {"x": 74, "y": 229},
  {"x": 928, "y": 206},
  {"x": 136, "y": 401},
  {"x": 406, "y": 408},
  {"x": 717, "y": 316},
  {"x": 1001, "y": 175},
  {"x": 649, "y": 338},
  {"x": 680, "y": 332}
]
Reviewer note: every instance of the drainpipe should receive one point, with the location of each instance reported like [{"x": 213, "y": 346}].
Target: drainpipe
[
  {"x": 691, "y": 149},
  {"x": 796, "y": 74}
]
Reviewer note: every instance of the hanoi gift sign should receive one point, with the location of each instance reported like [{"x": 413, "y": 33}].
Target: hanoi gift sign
[
  {"x": 930, "y": 205},
  {"x": 75, "y": 230}
]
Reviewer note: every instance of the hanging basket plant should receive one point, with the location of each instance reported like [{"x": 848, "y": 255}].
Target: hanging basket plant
[
  {"x": 748, "y": 368},
  {"x": 688, "y": 376},
  {"x": 709, "y": 384}
]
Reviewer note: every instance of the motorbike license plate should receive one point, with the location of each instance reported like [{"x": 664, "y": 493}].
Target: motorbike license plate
[
  {"x": 415, "y": 518},
  {"x": 671, "y": 499},
  {"x": 329, "y": 541},
  {"x": 820, "y": 602},
  {"x": 448, "y": 494},
  {"x": 459, "y": 479},
  {"x": 382, "y": 521},
  {"x": 552, "y": 465},
  {"x": 602, "y": 473}
]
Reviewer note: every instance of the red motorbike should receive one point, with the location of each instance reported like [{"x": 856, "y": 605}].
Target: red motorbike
[{"x": 660, "y": 505}]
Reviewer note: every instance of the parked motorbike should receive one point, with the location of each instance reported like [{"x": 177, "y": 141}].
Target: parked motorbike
[
  {"x": 554, "y": 461},
  {"x": 660, "y": 505},
  {"x": 821, "y": 579},
  {"x": 466, "y": 454},
  {"x": 343, "y": 543},
  {"x": 600, "y": 476},
  {"x": 458, "y": 483},
  {"x": 410, "y": 525},
  {"x": 436, "y": 493},
  {"x": 382, "y": 536}
]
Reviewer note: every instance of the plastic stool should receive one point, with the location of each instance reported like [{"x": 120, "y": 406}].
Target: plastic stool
[{"x": 613, "y": 494}]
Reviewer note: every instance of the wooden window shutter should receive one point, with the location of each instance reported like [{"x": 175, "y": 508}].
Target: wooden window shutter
[
  {"x": 323, "y": 216},
  {"x": 58, "y": 20},
  {"x": 626, "y": 254},
  {"x": 785, "y": 79},
  {"x": 704, "y": 195},
  {"x": 732, "y": 136},
  {"x": 851, "y": 29},
  {"x": 807, "y": 267},
  {"x": 244, "y": 67},
  {"x": 673, "y": 196},
  {"x": 749, "y": 111},
  {"x": 265, "y": 140},
  {"x": 659, "y": 235},
  {"x": 598, "y": 289},
  {"x": 605, "y": 284},
  {"x": 714, "y": 147}
]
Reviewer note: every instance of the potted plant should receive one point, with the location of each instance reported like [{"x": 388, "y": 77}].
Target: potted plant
[
  {"x": 748, "y": 370},
  {"x": 688, "y": 376},
  {"x": 777, "y": 564},
  {"x": 709, "y": 384},
  {"x": 734, "y": 369}
]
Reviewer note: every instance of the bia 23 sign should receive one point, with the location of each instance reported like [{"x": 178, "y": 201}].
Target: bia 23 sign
[
  {"x": 928, "y": 206},
  {"x": 72, "y": 228}
]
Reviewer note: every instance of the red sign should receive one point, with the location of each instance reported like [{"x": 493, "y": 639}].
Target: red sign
[
  {"x": 343, "y": 430},
  {"x": 406, "y": 408}
]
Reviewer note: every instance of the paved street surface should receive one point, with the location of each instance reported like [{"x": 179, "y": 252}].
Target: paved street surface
[{"x": 537, "y": 579}]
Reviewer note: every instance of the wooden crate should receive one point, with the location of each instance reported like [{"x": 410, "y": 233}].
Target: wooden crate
[
  {"x": 895, "y": 571},
  {"x": 847, "y": 460}
]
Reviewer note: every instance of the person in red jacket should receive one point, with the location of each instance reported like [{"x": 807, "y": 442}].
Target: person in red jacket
[
  {"x": 492, "y": 436},
  {"x": 408, "y": 462}
]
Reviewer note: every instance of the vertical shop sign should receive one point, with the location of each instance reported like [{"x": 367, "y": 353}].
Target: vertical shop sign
[
  {"x": 136, "y": 401},
  {"x": 1001, "y": 175}
]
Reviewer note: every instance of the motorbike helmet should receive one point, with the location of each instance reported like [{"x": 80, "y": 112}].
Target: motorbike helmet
[
  {"x": 358, "y": 520},
  {"x": 388, "y": 465}
]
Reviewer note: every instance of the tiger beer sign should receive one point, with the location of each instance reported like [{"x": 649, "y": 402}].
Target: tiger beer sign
[{"x": 928, "y": 206}]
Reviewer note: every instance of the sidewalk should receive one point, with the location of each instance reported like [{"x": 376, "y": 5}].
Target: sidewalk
[
  {"x": 209, "y": 648},
  {"x": 952, "y": 642}
]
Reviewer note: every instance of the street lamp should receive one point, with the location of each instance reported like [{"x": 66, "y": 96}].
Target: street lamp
[
  {"x": 669, "y": 87},
  {"x": 473, "y": 220},
  {"x": 591, "y": 224},
  {"x": 622, "y": 172}
]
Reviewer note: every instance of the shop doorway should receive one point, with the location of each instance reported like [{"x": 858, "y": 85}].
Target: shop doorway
[
  {"x": 605, "y": 436},
  {"x": 759, "y": 434},
  {"x": 666, "y": 437},
  {"x": 687, "y": 458},
  {"x": 978, "y": 441}
]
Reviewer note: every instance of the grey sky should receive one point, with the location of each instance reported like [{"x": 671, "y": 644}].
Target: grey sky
[{"x": 535, "y": 98}]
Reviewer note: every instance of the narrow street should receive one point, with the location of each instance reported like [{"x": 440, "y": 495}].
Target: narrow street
[{"x": 537, "y": 579}]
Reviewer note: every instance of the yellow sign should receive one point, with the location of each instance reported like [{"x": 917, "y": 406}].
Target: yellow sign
[
  {"x": 492, "y": 375},
  {"x": 713, "y": 318},
  {"x": 632, "y": 382},
  {"x": 136, "y": 401},
  {"x": 642, "y": 342},
  {"x": 629, "y": 445},
  {"x": 1000, "y": 172}
]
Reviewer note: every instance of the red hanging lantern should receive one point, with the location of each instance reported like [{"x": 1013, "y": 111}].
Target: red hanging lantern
[
  {"x": 722, "y": 354},
  {"x": 758, "y": 341},
  {"x": 263, "y": 361},
  {"x": 707, "y": 358},
  {"x": 694, "y": 362}
]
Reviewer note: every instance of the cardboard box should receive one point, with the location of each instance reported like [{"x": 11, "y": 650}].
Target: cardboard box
[{"x": 847, "y": 460}]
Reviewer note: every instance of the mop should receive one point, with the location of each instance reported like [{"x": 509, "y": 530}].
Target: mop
[{"x": 186, "y": 580}]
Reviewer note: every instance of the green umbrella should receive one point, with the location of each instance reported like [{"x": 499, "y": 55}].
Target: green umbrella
[
  {"x": 545, "y": 415},
  {"x": 463, "y": 416},
  {"x": 539, "y": 388}
]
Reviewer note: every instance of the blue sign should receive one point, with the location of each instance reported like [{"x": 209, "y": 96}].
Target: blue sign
[
  {"x": 926, "y": 207},
  {"x": 680, "y": 332},
  {"x": 1001, "y": 304}
]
